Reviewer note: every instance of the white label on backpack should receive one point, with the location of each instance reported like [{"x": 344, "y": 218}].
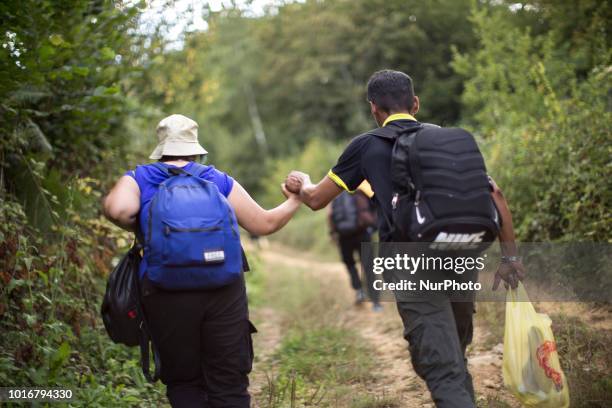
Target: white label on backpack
[
  {"x": 446, "y": 240},
  {"x": 214, "y": 256}
]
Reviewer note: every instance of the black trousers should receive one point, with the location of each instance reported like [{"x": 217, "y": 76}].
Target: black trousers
[
  {"x": 350, "y": 245},
  {"x": 204, "y": 342},
  {"x": 438, "y": 332}
]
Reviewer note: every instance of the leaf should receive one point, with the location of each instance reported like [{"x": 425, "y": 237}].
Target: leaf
[
  {"x": 14, "y": 283},
  {"x": 65, "y": 74},
  {"x": 99, "y": 91},
  {"x": 56, "y": 39},
  {"x": 82, "y": 71},
  {"x": 30, "y": 320},
  {"x": 46, "y": 52},
  {"x": 44, "y": 277},
  {"x": 107, "y": 54},
  {"x": 28, "y": 262},
  {"x": 111, "y": 90},
  {"x": 59, "y": 358}
]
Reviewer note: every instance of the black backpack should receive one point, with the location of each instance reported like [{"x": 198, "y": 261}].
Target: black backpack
[
  {"x": 345, "y": 214},
  {"x": 441, "y": 191},
  {"x": 122, "y": 312}
]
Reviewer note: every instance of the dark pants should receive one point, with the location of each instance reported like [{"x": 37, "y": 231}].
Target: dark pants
[
  {"x": 349, "y": 246},
  {"x": 204, "y": 343},
  {"x": 438, "y": 332}
]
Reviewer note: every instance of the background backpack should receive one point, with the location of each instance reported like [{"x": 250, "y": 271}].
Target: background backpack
[
  {"x": 441, "y": 191},
  {"x": 191, "y": 233},
  {"x": 123, "y": 314},
  {"x": 345, "y": 214},
  {"x": 351, "y": 213}
]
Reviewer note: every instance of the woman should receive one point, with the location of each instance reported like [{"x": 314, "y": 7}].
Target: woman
[{"x": 203, "y": 336}]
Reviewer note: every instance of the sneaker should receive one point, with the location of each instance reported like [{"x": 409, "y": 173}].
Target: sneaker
[
  {"x": 359, "y": 296},
  {"x": 377, "y": 307}
]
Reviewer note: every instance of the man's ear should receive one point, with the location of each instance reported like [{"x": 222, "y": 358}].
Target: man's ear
[
  {"x": 415, "y": 106},
  {"x": 373, "y": 108},
  {"x": 379, "y": 116}
]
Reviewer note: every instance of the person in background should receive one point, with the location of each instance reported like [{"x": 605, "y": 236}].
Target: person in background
[
  {"x": 203, "y": 336},
  {"x": 352, "y": 221}
]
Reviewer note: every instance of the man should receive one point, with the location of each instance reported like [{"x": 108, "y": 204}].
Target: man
[
  {"x": 351, "y": 221},
  {"x": 438, "y": 331}
]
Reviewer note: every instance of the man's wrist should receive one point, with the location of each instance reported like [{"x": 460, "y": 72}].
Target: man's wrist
[{"x": 510, "y": 258}]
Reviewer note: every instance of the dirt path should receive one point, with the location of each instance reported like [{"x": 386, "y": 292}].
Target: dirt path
[{"x": 394, "y": 376}]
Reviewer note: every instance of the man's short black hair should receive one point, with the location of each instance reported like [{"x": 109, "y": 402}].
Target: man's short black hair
[{"x": 391, "y": 91}]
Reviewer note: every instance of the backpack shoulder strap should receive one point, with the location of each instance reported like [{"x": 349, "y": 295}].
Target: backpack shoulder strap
[
  {"x": 161, "y": 167},
  {"x": 384, "y": 133},
  {"x": 197, "y": 169},
  {"x": 413, "y": 157}
]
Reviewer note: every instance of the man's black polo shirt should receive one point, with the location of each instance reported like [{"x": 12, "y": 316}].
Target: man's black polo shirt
[{"x": 368, "y": 157}]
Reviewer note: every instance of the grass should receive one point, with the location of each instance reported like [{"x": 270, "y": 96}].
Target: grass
[
  {"x": 327, "y": 355},
  {"x": 586, "y": 360},
  {"x": 308, "y": 232},
  {"x": 319, "y": 357},
  {"x": 319, "y": 362},
  {"x": 584, "y": 354}
]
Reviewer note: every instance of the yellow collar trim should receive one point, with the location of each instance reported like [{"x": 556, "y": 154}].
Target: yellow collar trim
[{"x": 398, "y": 116}]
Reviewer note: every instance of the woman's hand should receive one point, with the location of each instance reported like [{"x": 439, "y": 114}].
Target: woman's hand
[
  {"x": 295, "y": 180},
  {"x": 288, "y": 194}
]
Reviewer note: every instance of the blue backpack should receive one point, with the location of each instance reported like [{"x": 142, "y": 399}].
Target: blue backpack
[{"x": 192, "y": 239}]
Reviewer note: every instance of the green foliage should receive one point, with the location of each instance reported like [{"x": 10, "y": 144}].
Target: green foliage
[
  {"x": 65, "y": 70},
  {"x": 268, "y": 85},
  {"x": 546, "y": 126},
  {"x": 308, "y": 230},
  {"x": 316, "y": 158},
  {"x": 49, "y": 306},
  {"x": 81, "y": 90},
  {"x": 63, "y": 67}
]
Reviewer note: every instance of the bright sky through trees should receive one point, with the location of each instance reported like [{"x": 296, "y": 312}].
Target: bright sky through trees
[{"x": 181, "y": 16}]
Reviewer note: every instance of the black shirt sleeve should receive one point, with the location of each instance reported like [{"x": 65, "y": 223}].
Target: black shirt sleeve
[{"x": 348, "y": 172}]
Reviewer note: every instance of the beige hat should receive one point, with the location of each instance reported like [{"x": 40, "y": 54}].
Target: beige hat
[{"x": 178, "y": 136}]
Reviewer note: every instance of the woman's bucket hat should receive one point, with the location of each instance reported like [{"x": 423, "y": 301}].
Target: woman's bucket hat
[{"x": 178, "y": 136}]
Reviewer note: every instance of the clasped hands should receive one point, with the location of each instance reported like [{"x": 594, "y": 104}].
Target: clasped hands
[{"x": 293, "y": 183}]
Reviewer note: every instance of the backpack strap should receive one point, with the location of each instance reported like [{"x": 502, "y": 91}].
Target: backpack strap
[
  {"x": 160, "y": 166},
  {"x": 413, "y": 157},
  {"x": 196, "y": 170},
  {"x": 384, "y": 132},
  {"x": 144, "y": 336}
]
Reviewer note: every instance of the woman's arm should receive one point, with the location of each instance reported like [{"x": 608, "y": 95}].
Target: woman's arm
[
  {"x": 122, "y": 204},
  {"x": 257, "y": 220}
]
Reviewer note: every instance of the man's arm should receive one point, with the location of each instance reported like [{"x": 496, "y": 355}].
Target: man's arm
[
  {"x": 510, "y": 271},
  {"x": 315, "y": 196}
]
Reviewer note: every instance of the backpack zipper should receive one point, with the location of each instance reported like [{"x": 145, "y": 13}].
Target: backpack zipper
[{"x": 168, "y": 229}]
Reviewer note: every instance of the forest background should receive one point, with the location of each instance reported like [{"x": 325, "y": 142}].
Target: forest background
[{"x": 83, "y": 85}]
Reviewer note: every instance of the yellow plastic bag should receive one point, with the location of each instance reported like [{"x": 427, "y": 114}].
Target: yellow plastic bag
[{"x": 531, "y": 363}]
